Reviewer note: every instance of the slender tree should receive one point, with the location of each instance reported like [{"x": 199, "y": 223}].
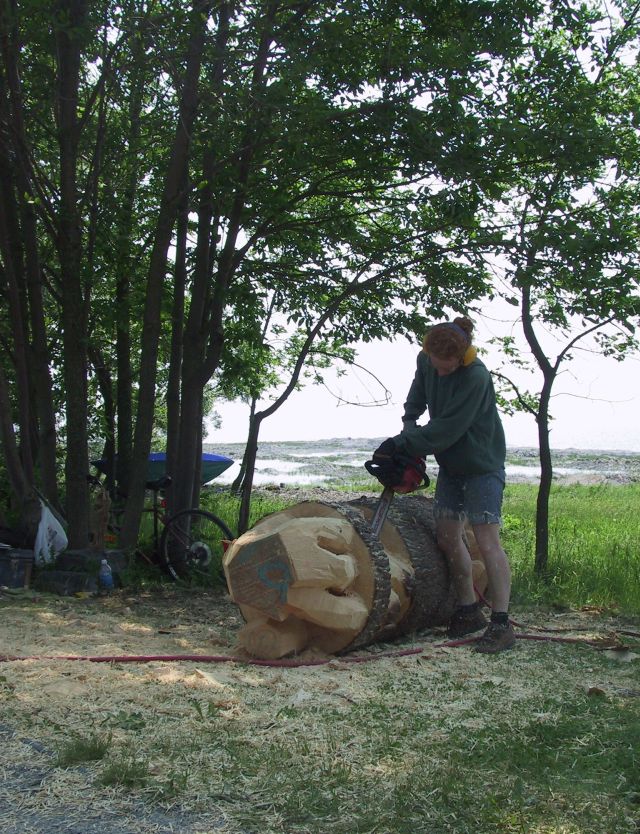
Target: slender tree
[
  {"x": 302, "y": 163},
  {"x": 22, "y": 264},
  {"x": 569, "y": 229},
  {"x": 174, "y": 185}
]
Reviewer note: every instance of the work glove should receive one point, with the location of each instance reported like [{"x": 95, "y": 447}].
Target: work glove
[
  {"x": 382, "y": 464},
  {"x": 385, "y": 450}
]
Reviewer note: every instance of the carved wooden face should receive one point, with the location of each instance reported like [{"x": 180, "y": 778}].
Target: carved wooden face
[
  {"x": 304, "y": 567},
  {"x": 300, "y": 566}
]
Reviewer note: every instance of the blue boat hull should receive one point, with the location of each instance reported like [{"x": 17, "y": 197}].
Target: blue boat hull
[{"x": 212, "y": 466}]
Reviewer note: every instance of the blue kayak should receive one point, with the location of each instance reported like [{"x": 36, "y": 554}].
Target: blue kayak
[{"x": 212, "y": 466}]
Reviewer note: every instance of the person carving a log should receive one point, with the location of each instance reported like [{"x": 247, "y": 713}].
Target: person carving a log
[{"x": 465, "y": 434}]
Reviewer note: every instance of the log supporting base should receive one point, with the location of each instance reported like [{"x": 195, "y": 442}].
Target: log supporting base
[{"x": 314, "y": 576}]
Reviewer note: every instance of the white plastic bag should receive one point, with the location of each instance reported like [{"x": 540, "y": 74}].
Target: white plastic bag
[{"x": 50, "y": 538}]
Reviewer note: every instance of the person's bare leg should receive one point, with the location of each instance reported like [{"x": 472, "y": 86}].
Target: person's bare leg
[
  {"x": 451, "y": 542},
  {"x": 499, "y": 635},
  {"x": 496, "y": 564}
]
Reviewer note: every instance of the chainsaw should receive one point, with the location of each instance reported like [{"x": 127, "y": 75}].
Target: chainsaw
[{"x": 397, "y": 472}]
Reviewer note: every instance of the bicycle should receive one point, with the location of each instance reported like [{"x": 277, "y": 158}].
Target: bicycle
[{"x": 189, "y": 539}]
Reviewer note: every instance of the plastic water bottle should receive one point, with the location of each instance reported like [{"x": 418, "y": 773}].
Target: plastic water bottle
[{"x": 105, "y": 576}]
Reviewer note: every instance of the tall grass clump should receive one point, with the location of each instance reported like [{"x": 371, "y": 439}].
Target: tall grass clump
[
  {"x": 223, "y": 503},
  {"x": 226, "y": 505},
  {"x": 594, "y": 546},
  {"x": 79, "y": 749}
]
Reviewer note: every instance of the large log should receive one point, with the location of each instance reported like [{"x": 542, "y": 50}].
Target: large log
[{"x": 314, "y": 576}]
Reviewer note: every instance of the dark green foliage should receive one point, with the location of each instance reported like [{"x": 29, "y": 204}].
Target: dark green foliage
[{"x": 347, "y": 172}]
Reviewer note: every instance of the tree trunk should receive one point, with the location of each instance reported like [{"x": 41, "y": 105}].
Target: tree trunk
[
  {"x": 39, "y": 357},
  {"x": 175, "y": 358},
  {"x": 11, "y": 275},
  {"x": 18, "y": 481},
  {"x": 197, "y": 469},
  {"x": 40, "y": 361},
  {"x": 249, "y": 463},
  {"x": 549, "y": 372},
  {"x": 238, "y": 485},
  {"x": 315, "y": 577},
  {"x": 69, "y": 31},
  {"x": 190, "y": 440},
  {"x": 194, "y": 345},
  {"x": 187, "y": 436},
  {"x": 126, "y": 261},
  {"x": 546, "y": 479},
  {"x": 203, "y": 340},
  {"x": 124, "y": 404},
  {"x": 174, "y": 182},
  {"x": 105, "y": 385}
]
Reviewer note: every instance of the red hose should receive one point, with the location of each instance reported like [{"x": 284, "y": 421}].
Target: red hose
[
  {"x": 284, "y": 662},
  {"x": 206, "y": 658}
]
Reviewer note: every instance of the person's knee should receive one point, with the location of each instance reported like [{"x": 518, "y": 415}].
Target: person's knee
[
  {"x": 449, "y": 540},
  {"x": 487, "y": 537},
  {"x": 455, "y": 551}
]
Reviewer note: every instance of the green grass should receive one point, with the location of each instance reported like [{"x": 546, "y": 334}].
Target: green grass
[
  {"x": 594, "y": 546},
  {"x": 415, "y": 754},
  {"x": 79, "y": 749},
  {"x": 126, "y": 770},
  {"x": 507, "y": 775}
]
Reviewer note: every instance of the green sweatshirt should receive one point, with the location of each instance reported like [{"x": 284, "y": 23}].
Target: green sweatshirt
[{"x": 464, "y": 431}]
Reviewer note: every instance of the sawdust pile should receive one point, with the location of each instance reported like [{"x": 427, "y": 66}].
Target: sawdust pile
[{"x": 190, "y": 723}]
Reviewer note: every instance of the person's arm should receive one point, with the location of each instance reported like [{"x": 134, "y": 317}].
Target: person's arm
[
  {"x": 416, "y": 403},
  {"x": 447, "y": 428}
]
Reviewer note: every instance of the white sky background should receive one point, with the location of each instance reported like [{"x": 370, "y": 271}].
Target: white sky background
[{"x": 596, "y": 402}]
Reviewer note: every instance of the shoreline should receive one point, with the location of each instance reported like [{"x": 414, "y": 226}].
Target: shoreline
[
  {"x": 327, "y": 463},
  {"x": 296, "y": 493},
  {"x": 373, "y": 442}
]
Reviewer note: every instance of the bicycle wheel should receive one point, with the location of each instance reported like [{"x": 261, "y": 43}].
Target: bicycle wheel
[{"x": 191, "y": 544}]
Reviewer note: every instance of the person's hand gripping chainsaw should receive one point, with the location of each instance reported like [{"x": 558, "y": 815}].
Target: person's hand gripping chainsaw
[{"x": 397, "y": 472}]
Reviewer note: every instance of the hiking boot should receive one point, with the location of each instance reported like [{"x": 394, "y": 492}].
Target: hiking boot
[
  {"x": 496, "y": 638},
  {"x": 465, "y": 622}
]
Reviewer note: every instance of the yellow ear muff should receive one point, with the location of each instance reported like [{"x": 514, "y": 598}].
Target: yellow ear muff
[{"x": 469, "y": 355}]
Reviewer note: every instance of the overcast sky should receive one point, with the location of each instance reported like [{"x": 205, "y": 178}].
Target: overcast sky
[{"x": 596, "y": 403}]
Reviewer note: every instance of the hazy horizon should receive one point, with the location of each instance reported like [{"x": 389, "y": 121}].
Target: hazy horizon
[{"x": 596, "y": 404}]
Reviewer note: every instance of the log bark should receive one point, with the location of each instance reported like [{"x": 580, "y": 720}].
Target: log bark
[{"x": 314, "y": 576}]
